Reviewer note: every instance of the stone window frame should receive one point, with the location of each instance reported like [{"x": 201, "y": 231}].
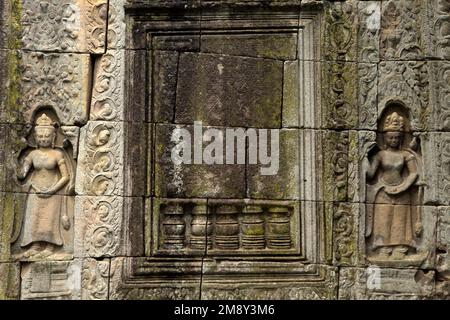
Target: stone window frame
[{"x": 307, "y": 270}]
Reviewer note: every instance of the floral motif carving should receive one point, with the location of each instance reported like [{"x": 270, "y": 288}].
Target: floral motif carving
[
  {"x": 336, "y": 165},
  {"x": 367, "y": 95},
  {"x": 116, "y": 24},
  {"x": 344, "y": 227},
  {"x": 100, "y": 225},
  {"x": 97, "y": 11},
  {"x": 339, "y": 46},
  {"x": 340, "y": 32},
  {"x": 50, "y": 25},
  {"x": 101, "y": 159},
  {"x": 58, "y": 80},
  {"x": 69, "y": 26},
  {"x": 94, "y": 279},
  {"x": 107, "y": 96}
]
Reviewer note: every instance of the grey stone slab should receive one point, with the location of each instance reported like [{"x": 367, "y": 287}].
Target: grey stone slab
[{"x": 222, "y": 90}]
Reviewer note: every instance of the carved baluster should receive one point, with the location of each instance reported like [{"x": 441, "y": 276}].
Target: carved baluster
[
  {"x": 227, "y": 227},
  {"x": 174, "y": 226},
  {"x": 201, "y": 228},
  {"x": 253, "y": 228},
  {"x": 278, "y": 228}
]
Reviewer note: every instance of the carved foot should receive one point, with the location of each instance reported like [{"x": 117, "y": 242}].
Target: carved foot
[
  {"x": 43, "y": 254},
  {"x": 399, "y": 253},
  {"x": 30, "y": 253},
  {"x": 384, "y": 253}
]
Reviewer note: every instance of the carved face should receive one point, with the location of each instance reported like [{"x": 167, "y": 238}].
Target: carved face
[
  {"x": 44, "y": 136},
  {"x": 103, "y": 211},
  {"x": 103, "y": 137},
  {"x": 393, "y": 139}
]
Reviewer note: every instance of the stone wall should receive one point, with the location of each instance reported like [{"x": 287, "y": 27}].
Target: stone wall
[{"x": 93, "y": 207}]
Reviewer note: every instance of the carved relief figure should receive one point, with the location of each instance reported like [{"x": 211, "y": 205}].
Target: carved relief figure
[
  {"x": 393, "y": 220},
  {"x": 47, "y": 174}
]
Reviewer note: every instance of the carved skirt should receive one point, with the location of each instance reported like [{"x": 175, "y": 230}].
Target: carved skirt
[
  {"x": 392, "y": 220},
  {"x": 42, "y": 220}
]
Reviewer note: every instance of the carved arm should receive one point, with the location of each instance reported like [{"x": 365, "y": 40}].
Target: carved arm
[
  {"x": 23, "y": 172},
  {"x": 371, "y": 168}
]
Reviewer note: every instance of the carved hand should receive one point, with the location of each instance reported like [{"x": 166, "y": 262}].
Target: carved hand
[
  {"x": 369, "y": 146},
  {"x": 45, "y": 195},
  {"x": 65, "y": 222},
  {"x": 392, "y": 190},
  {"x": 418, "y": 228}
]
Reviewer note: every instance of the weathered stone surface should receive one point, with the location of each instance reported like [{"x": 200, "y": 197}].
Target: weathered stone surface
[
  {"x": 165, "y": 76},
  {"x": 272, "y": 46},
  {"x": 190, "y": 42},
  {"x": 10, "y": 88},
  {"x": 101, "y": 159},
  {"x": 193, "y": 180},
  {"x": 71, "y": 26},
  {"x": 176, "y": 15},
  {"x": 231, "y": 91},
  {"x": 135, "y": 85},
  {"x": 137, "y": 149},
  {"x": 271, "y": 288},
  {"x": 376, "y": 283},
  {"x": 182, "y": 282},
  {"x": 10, "y": 284},
  {"x": 51, "y": 280},
  {"x": 283, "y": 183},
  {"x": 4, "y": 16},
  {"x": 3, "y": 84},
  {"x": 301, "y": 92},
  {"x": 313, "y": 168},
  {"x": 95, "y": 279},
  {"x": 12, "y": 205},
  {"x": 12, "y": 143},
  {"x": 291, "y": 94}
]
